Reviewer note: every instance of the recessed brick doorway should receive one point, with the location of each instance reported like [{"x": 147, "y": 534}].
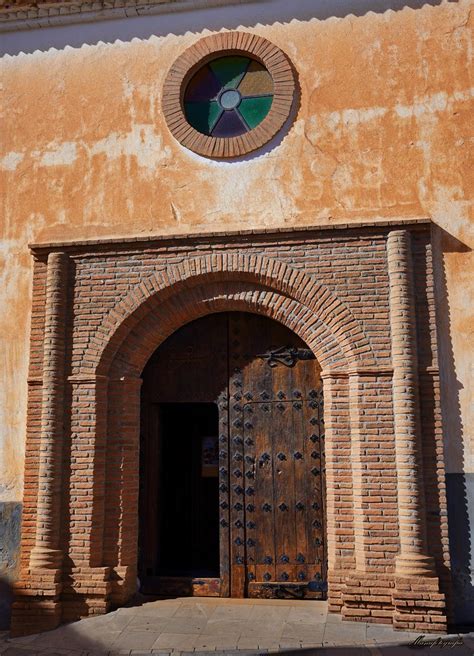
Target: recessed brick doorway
[
  {"x": 362, "y": 299},
  {"x": 232, "y": 463}
]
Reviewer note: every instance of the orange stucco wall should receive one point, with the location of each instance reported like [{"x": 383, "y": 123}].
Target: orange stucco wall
[{"x": 383, "y": 129}]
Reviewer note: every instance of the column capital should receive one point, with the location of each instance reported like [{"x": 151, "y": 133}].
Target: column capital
[
  {"x": 374, "y": 370},
  {"x": 87, "y": 379}
]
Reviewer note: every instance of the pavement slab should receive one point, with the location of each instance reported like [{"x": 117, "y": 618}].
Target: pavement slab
[{"x": 234, "y": 627}]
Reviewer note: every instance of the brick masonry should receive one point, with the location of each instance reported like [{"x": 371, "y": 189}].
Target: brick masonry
[{"x": 99, "y": 312}]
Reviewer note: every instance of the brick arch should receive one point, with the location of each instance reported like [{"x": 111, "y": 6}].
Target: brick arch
[
  {"x": 286, "y": 294},
  {"x": 161, "y": 321}
]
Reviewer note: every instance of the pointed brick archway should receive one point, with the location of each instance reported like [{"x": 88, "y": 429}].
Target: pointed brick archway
[{"x": 79, "y": 554}]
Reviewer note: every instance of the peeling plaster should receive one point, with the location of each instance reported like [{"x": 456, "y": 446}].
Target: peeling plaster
[
  {"x": 141, "y": 142},
  {"x": 437, "y": 102},
  {"x": 11, "y": 160},
  {"x": 65, "y": 154}
]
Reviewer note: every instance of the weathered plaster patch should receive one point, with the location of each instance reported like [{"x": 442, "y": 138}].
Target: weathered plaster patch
[
  {"x": 11, "y": 160},
  {"x": 353, "y": 117},
  {"x": 437, "y": 102},
  {"x": 141, "y": 142},
  {"x": 64, "y": 155},
  {"x": 15, "y": 295}
]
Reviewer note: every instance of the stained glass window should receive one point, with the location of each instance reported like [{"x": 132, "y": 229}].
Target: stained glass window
[{"x": 228, "y": 96}]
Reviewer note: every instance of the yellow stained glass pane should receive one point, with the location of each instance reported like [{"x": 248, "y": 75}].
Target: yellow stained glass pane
[{"x": 257, "y": 81}]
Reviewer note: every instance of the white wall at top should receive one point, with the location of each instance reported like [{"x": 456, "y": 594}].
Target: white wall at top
[{"x": 180, "y": 17}]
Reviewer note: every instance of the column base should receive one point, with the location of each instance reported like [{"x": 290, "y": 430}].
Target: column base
[
  {"x": 86, "y": 592},
  {"x": 415, "y": 565},
  {"x": 37, "y": 605},
  {"x": 336, "y": 582},
  {"x": 45, "y": 558},
  {"x": 367, "y": 597},
  {"x": 123, "y": 584},
  {"x": 419, "y": 605}
]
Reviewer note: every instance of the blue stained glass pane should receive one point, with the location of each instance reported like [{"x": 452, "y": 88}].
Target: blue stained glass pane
[
  {"x": 229, "y": 125},
  {"x": 202, "y": 86}
]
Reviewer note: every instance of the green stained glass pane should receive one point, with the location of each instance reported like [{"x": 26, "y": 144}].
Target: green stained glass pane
[
  {"x": 254, "y": 110},
  {"x": 229, "y": 70},
  {"x": 202, "y": 115}
]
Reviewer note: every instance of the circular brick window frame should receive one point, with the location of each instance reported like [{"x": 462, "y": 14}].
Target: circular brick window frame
[{"x": 218, "y": 45}]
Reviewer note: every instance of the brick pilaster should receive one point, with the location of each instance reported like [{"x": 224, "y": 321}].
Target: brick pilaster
[
  {"x": 413, "y": 559},
  {"x": 121, "y": 513},
  {"x": 366, "y": 594},
  {"x": 339, "y": 507},
  {"x": 87, "y": 468}
]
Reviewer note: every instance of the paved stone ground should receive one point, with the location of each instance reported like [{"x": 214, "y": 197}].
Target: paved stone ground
[{"x": 224, "y": 626}]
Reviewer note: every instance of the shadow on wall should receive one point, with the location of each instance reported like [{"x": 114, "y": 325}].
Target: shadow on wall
[
  {"x": 10, "y": 525},
  {"x": 160, "y": 20},
  {"x": 459, "y": 484},
  {"x": 6, "y": 598}
]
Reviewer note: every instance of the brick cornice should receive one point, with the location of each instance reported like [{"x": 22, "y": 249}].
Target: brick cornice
[
  {"x": 34, "y": 381},
  {"x": 40, "y": 248}
]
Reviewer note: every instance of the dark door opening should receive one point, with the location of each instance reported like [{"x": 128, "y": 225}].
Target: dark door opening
[
  {"x": 182, "y": 496},
  {"x": 189, "y": 515}
]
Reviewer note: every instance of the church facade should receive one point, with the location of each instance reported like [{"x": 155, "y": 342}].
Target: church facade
[{"x": 236, "y": 266}]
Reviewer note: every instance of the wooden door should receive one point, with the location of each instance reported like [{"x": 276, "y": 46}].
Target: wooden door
[
  {"x": 277, "y": 462},
  {"x": 265, "y": 387}
]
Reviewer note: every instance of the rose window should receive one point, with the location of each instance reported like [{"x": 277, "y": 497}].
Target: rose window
[{"x": 228, "y": 94}]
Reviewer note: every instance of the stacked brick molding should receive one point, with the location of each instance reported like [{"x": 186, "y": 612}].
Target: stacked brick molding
[{"x": 362, "y": 298}]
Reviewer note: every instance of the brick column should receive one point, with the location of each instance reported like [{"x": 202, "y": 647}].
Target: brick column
[
  {"x": 46, "y": 553},
  {"x": 417, "y": 601},
  {"x": 37, "y": 605},
  {"x": 412, "y": 559}
]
